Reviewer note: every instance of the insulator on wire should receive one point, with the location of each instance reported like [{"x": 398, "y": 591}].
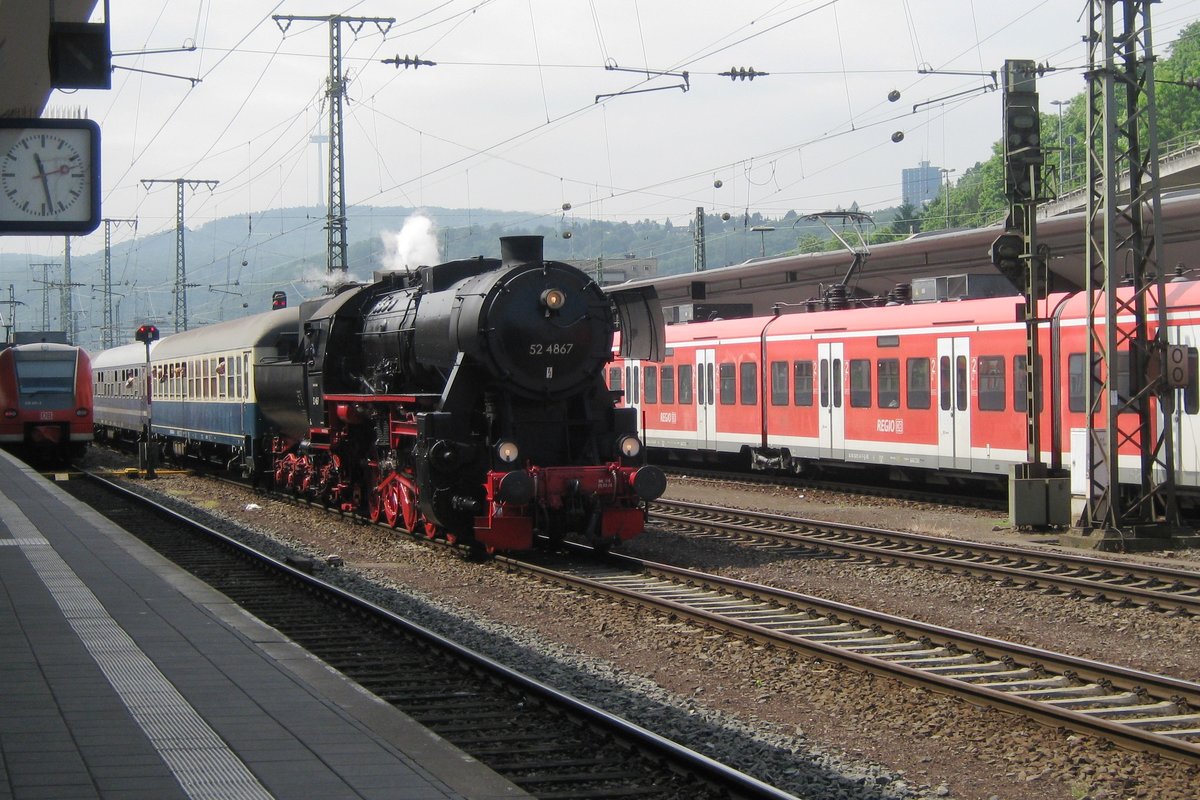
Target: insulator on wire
[
  {"x": 742, "y": 74},
  {"x": 409, "y": 61}
]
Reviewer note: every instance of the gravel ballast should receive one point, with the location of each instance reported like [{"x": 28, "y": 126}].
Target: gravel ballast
[{"x": 804, "y": 725}]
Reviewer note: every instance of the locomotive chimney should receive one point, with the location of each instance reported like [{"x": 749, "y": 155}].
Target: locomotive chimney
[{"x": 520, "y": 249}]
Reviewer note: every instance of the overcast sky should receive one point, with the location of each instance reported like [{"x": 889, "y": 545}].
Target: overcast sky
[{"x": 509, "y": 118}]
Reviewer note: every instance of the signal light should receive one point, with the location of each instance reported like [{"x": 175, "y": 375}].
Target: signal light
[
  {"x": 146, "y": 334},
  {"x": 1007, "y": 250},
  {"x": 1023, "y": 156}
]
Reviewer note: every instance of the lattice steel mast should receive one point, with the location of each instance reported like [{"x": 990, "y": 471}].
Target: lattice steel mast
[
  {"x": 107, "y": 333},
  {"x": 181, "y": 284},
  {"x": 1124, "y": 280},
  {"x": 335, "y": 90}
]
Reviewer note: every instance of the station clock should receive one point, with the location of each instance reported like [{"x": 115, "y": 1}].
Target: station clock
[{"x": 49, "y": 176}]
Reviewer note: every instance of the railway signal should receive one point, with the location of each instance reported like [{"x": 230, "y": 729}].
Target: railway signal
[
  {"x": 146, "y": 334},
  {"x": 1023, "y": 155}
]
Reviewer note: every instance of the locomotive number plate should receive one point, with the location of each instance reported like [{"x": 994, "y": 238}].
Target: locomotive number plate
[{"x": 552, "y": 349}]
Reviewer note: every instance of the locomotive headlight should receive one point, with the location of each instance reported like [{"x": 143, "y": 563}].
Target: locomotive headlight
[
  {"x": 9, "y": 413},
  {"x": 629, "y": 446},
  {"x": 508, "y": 451},
  {"x": 81, "y": 412},
  {"x": 554, "y": 299}
]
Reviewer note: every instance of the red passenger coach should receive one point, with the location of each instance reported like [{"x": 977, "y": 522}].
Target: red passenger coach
[
  {"x": 922, "y": 391},
  {"x": 46, "y": 399}
]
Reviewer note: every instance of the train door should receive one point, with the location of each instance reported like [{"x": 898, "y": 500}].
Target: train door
[
  {"x": 633, "y": 392},
  {"x": 954, "y": 403},
  {"x": 832, "y": 416},
  {"x": 242, "y": 387},
  {"x": 706, "y": 408}
]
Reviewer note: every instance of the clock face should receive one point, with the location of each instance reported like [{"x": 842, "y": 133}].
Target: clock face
[{"x": 47, "y": 176}]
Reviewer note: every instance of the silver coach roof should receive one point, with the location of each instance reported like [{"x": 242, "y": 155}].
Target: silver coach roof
[
  {"x": 126, "y": 355},
  {"x": 248, "y": 332}
]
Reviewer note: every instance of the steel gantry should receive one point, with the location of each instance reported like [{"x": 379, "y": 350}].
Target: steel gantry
[
  {"x": 107, "y": 329},
  {"x": 181, "y": 284},
  {"x": 335, "y": 91}
]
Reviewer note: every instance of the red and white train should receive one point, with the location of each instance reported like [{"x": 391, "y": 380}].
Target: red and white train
[
  {"x": 923, "y": 389},
  {"x": 46, "y": 399}
]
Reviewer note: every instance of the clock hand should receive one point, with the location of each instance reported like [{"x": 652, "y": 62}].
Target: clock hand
[{"x": 45, "y": 183}]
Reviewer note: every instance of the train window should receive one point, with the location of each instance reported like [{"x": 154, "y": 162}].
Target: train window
[
  {"x": 650, "y": 392},
  {"x": 836, "y": 380},
  {"x": 728, "y": 384},
  {"x": 749, "y": 375},
  {"x": 708, "y": 371},
  {"x": 802, "y": 383},
  {"x": 685, "y": 384},
  {"x": 1020, "y": 379},
  {"x": 635, "y": 385},
  {"x": 887, "y": 341},
  {"x": 918, "y": 383},
  {"x": 1124, "y": 392},
  {"x": 38, "y": 374},
  {"x": 961, "y": 382},
  {"x": 860, "y": 383},
  {"x": 1191, "y": 393},
  {"x": 779, "y": 383},
  {"x": 991, "y": 383},
  {"x": 668, "y": 384},
  {"x": 944, "y": 382},
  {"x": 888, "y": 372},
  {"x": 1076, "y": 370},
  {"x": 614, "y": 378},
  {"x": 824, "y": 383},
  {"x": 628, "y": 371}
]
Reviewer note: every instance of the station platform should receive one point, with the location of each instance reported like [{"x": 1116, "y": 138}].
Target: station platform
[{"x": 121, "y": 676}]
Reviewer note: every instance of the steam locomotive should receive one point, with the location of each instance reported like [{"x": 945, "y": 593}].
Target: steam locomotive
[{"x": 464, "y": 400}]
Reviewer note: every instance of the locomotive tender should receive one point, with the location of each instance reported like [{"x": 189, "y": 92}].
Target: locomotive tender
[
  {"x": 46, "y": 399},
  {"x": 464, "y": 400},
  {"x": 930, "y": 392}
]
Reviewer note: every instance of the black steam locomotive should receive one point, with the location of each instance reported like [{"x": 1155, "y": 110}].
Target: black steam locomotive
[{"x": 463, "y": 400}]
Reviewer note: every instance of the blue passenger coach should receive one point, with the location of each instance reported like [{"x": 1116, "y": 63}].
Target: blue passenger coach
[{"x": 202, "y": 385}]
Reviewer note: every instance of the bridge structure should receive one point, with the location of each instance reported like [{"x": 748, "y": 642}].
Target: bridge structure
[{"x": 758, "y": 285}]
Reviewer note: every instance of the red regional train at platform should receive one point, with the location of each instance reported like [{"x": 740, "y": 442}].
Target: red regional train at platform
[
  {"x": 45, "y": 400},
  {"x": 924, "y": 392}
]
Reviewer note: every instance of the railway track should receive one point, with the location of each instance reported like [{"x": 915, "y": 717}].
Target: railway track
[
  {"x": 1170, "y": 590},
  {"x": 1134, "y": 709},
  {"x": 973, "y": 497},
  {"x": 1137, "y": 710},
  {"x": 548, "y": 743}
]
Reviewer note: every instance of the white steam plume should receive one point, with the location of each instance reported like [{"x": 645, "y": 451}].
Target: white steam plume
[{"x": 414, "y": 246}]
